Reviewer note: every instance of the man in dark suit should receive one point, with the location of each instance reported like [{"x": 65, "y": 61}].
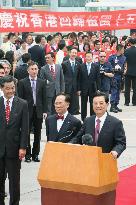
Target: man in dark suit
[
  {"x": 71, "y": 69},
  {"x": 53, "y": 75},
  {"x": 107, "y": 131},
  {"x": 21, "y": 70},
  {"x": 37, "y": 52},
  {"x": 14, "y": 127},
  {"x": 32, "y": 89},
  {"x": 62, "y": 127},
  {"x": 130, "y": 73},
  {"x": 89, "y": 83}
]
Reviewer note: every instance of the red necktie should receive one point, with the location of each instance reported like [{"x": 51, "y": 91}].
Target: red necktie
[
  {"x": 97, "y": 130},
  {"x": 7, "y": 111},
  {"x": 60, "y": 117},
  {"x": 52, "y": 72}
]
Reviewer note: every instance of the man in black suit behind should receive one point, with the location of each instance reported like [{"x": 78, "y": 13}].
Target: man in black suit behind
[
  {"x": 33, "y": 90},
  {"x": 62, "y": 127},
  {"x": 89, "y": 83},
  {"x": 37, "y": 52},
  {"x": 14, "y": 128},
  {"x": 71, "y": 69},
  {"x": 107, "y": 131}
]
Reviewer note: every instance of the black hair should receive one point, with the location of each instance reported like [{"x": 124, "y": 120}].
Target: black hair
[
  {"x": 7, "y": 79},
  {"x": 9, "y": 56},
  {"x": 38, "y": 39},
  {"x": 1, "y": 66},
  {"x": 96, "y": 42},
  {"x": 10, "y": 35},
  {"x": 1, "y": 54},
  {"x": 51, "y": 53},
  {"x": 86, "y": 44},
  {"x": 26, "y": 57},
  {"x": 67, "y": 97},
  {"x": 119, "y": 47},
  {"x": 32, "y": 63},
  {"x": 49, "y": 38},
  {"x": 99, "y": 94}
]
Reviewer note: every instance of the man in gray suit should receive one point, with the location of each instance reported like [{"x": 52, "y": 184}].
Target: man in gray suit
[{"x": 53, "y": 76}]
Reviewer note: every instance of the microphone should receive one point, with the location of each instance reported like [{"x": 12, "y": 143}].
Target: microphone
[{"x": 87, "y": 139}]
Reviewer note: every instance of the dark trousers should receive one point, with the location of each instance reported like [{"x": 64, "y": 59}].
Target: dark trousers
[
  {"x": 130, "y": 80},
  {"x": 84, "y": 100},
  {"x": 74, "y": 103},
  {"x": 37, "y": 126},
  {"x": 12, "y": 166}
]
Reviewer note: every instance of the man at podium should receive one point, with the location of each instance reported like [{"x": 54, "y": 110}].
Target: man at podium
[
  {"x": 62, "y": 126},
  {"x": 106, "y": 131}
]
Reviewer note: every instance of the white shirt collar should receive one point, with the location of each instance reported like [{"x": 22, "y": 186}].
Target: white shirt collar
[
  {"x": 102, "y": 119},
  {"x": 32, "y": 78}
]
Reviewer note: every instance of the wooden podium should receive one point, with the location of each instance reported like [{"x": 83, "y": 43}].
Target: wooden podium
[{"x": 72, "y": 174}]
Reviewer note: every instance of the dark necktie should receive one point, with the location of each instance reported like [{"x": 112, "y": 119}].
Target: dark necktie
[
  {"x": 73, "y": 67},
  {"x": 60, "y": 117},
  {"x": 97, "y": 130},
  {"x": 52, "y": 71},
  {"x": 34, "y": 90},
  {"x": 7, "y": 110}
]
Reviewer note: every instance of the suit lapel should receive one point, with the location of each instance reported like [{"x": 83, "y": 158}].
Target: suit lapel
[
  {"x": 28, "y": 83},
  {"x": 13, "y": 111},
  {"x": 65, "y": 124},
  {"x": 2, "y": 110},
  {"x": 106, "y": 126}
]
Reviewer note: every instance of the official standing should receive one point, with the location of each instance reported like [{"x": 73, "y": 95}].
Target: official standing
[
  {"x": 88, "y": 83},
  {"x": 62, "y": 126},
  {"x": 130, "y": 74},
  {"x": 71, "y": 69},
  {"x": 14, "y": 127},
  {"x": 106, "y": 73},
  {"x": 107, "y": 131},
  {"x": 32, "y": 89},
  {"x": 53, "y": 75},
  {"x": 37, "y": 52}
]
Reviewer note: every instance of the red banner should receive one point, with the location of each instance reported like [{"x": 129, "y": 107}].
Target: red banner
[{"x": 43, "y": 21}]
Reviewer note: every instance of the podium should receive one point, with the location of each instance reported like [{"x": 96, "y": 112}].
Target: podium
[{"x": 72, "y": 174}]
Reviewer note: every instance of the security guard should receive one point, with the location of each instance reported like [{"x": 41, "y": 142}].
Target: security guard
[
  {"x": 106, "y": 73},
  {"x": 118, "y": 63}
]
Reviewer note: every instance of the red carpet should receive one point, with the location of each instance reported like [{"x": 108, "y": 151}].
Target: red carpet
[{"x": 126, "y": 189}]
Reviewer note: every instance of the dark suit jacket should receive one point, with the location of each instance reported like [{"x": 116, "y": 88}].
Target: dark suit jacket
[
  {"x": 69, "y": 129},
  {"x": 71, "y": 79},
  {"x": 21, "y": 71},
  {"x": 14, "y": 135},
  {"x": 89, "y": 83},
  {"x": 25, "y": 92},
  {"x": 111, "y": 137},
  {"x": 130, "y": 55},
  {"x": 37, "y": 55}
]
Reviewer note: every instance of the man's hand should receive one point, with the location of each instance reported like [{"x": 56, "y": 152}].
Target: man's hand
[
  {"x": 44, "y": 115},
  {"x": 22, "y": 153},
  {"x": 114, "y": 154}
]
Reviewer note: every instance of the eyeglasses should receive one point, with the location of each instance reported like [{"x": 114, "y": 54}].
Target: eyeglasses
[{"x": 102, "y": 56}]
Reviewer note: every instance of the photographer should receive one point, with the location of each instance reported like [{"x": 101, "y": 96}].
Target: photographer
[
  {"x": 106, "y": 73},
  {"x": 118, "y": 62}
]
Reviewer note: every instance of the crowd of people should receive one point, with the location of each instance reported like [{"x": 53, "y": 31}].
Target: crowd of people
[{"x": 43, "y": 79}]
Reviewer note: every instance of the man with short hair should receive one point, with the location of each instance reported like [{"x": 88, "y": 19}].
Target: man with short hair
[
  {"x": 88, "y": 83},
  {"x": 32, "y": 89},
  {"x": 37, "y": 52},
  {"x": 53, "y": 75},
  {"x": 62, "y": 127},
  {"x": 10, "y": 44},
  {"x": 106, "y": 131},
  {"x": 13, "y": 139},
  {"x": 71, "y": 69}
]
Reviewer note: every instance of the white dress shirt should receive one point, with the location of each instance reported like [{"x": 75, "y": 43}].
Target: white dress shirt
[
  {"x": 10, "y": 102},
  {"x": 60, "y": 121},
  {"x": 102, "y": 120},
  {"x": 88, "y": 67}
]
